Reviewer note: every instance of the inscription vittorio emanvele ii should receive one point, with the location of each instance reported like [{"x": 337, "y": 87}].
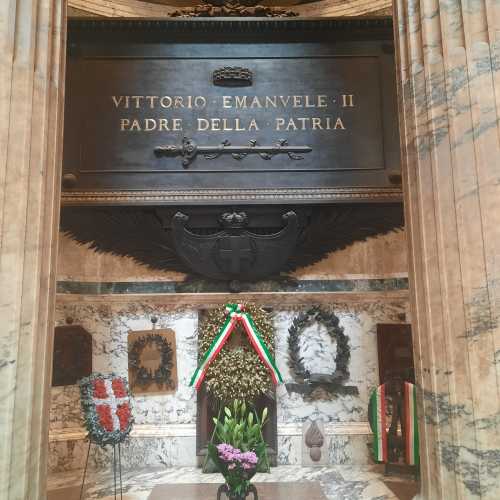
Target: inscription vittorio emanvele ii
[{"x": 327, "y": 108}]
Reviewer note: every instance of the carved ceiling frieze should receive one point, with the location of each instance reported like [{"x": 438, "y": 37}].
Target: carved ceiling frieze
[{"x": 233, "y": 8}]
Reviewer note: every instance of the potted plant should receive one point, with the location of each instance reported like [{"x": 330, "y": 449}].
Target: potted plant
[{"x": 238, "y": 449}]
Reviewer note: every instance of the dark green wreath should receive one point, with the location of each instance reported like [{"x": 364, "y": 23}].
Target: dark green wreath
[
  {"x": 144, "y": 376},
  {"x": 336, "y": 332}
]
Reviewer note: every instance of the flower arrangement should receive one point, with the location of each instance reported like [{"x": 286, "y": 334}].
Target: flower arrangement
[
  {"x": 237, "y": 372},
  {"x": 106, "y": 408},
  {"x": 238, "y": 448}
]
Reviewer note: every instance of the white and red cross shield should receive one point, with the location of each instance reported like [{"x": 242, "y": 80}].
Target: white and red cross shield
[{"x": 106, "y": 406}]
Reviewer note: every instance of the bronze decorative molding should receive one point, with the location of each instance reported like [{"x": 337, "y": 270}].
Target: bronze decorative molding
[
  {"x": 233, "y": 8},
  {"x": 364, "y": 28},
  {"x": 189, "y": 150},
  {"x": 232, "y": 76},
  {"x": 220, "y": 196}
]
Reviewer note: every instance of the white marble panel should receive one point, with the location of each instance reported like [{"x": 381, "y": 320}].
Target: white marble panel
[
  {"x": 360, "y": 325},
  {"x": 165, "y": 424}
]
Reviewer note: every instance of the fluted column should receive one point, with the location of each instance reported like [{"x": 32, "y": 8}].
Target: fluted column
[
  {"x": 449, "y": 91},
  {"x": 32, "y": 51}
]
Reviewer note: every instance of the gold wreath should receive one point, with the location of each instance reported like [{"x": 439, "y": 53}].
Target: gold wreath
[{"x": 237, "y": 372}]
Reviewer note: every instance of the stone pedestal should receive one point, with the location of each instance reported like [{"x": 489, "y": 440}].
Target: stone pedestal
[
  {"x": 449, "y": 90},
  {"x": 32, "y": 40}
]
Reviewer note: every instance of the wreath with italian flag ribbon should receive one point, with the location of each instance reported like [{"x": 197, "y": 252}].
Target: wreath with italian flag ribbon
[{"x": 243, "y": 371}]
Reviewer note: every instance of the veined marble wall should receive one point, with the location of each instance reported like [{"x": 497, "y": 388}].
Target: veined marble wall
[
  {"x": 365, "y": 284},
  {"x": 165, "y": 430}
]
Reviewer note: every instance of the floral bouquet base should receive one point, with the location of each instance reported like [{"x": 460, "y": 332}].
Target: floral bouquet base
[
  {"x": 241, "y": 450},
  {"x": 224, "y": 489},
  {"x": 237, "y": 467}
]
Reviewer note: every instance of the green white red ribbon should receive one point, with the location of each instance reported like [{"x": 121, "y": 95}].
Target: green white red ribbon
[
  {"x": 236, "y": 314},
  {"x": 412, "y": 454},
  {"x": 378, "y": 423}
]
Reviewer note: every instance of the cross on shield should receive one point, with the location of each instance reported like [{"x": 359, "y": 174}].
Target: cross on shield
[
  {"x": 235, "y": 253},
  {"x": 106, "y": 406}
]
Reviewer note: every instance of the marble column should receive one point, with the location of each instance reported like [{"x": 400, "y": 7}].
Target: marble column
[
  {"x": 32, "y": 43},
  {"x": 448, "y": 53}
]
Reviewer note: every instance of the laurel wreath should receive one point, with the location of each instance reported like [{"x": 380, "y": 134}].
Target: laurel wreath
[
  {"x": 236, "y": 372},
  {"x": 336, "y": 333},
  {"x": 144, "y": 376}
]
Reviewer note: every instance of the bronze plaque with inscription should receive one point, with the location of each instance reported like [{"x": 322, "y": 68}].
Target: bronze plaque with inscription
[{"x": 152, "y": 117}]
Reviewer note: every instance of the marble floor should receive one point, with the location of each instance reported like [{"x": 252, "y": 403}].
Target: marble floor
[{"x": 341, "y": 482}]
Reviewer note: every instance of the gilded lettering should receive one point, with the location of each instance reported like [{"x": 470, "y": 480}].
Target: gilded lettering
[
  {"x": 177, "y": 124},
  {"x": 163, "y": 125},
  {"x": 152, "y": 99},
  {"x": 149, "y": 124},
  {"x": 215, "y": 124},
  {"x": 253, "y": 125},
  {"x": 322, "y": 101},
  {"x": 200, "y": 102},
  {"x": 271, "y": 101},
  {"x": 291, "y": 124},
  {"x": 308, "y": 104},
  {"x": 316, "y": 123},
  {"x": 284, "y": 100},
  {"x": 135, "y": 126},
  {"x": 347, "y": 100},
  {"x": 203, "y": 124},
  {"x": 166, "y": 101},
  {"x": 138, "y": 99},
  {"x": 237, "y": 125},
  {"x": 255, "y": 103},
  {"x": 339, "y": 124},
  {"x": 124, "y": 123},
  {"x": 117, "y": 101},
  {"x": 241, "y": 101},
  {"x": 303, "y": 122}
]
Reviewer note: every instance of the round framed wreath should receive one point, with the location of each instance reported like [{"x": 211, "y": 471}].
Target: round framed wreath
[
  {"x": 336, "y": 332},
  {"x": 237, "y": 372},
  {"x": 144, "y": 376}
]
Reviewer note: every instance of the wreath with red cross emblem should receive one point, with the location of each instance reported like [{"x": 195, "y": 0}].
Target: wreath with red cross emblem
[{"x": 105, "y": 401}]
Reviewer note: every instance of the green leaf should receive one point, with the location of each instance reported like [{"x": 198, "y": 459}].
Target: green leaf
[{"x": 227, "y": 411}]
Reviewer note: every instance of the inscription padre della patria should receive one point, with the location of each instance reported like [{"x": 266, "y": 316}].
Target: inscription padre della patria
[
  {"x": 321, "y": 102},
  {"x": 230, "y": 116}
]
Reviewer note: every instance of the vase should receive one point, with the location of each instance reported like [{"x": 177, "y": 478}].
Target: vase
[{"x": 224, "y": 489}]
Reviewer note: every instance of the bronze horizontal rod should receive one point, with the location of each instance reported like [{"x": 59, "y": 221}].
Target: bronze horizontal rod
[{"x": 166, "y": 150}]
